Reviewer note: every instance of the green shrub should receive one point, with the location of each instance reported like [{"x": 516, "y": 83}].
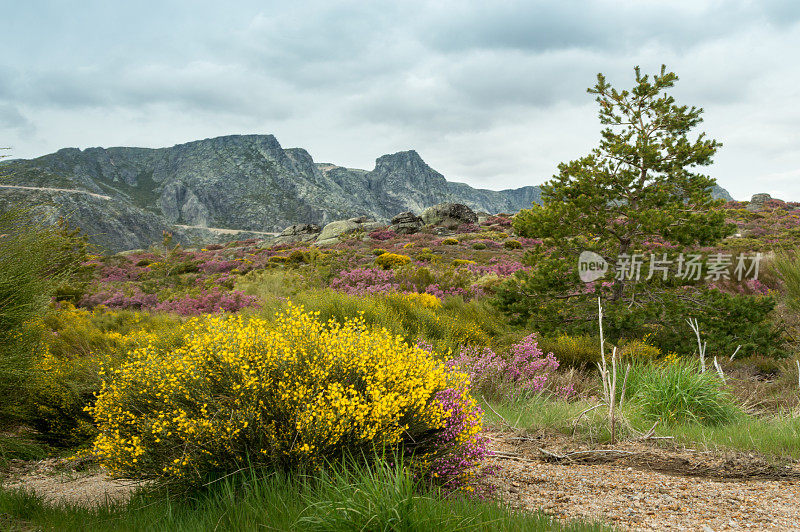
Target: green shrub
[
  {"x": 583, "y": 351},
  {"x": 765, "y": 367},
  {"x": 298, "y": 256},
  {"x": 79, "y": 345},
  {"x": 18, "y": 447},
  {"x": 677, "y": 393},
  {"x": 573, "y": 351},
  {"x": 478, "y": 245},
  {"x": 787, "y": 265},
  {"x": 446, "y": 328},
  {"x": 270, "y": 284},
  {"x": 34, "y": 260},
  {"x": 512, "y": 244},
  {"x": 413, "y": 278}
]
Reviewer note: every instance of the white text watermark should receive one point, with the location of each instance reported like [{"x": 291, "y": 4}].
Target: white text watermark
[{"x": 689, "y": 267}]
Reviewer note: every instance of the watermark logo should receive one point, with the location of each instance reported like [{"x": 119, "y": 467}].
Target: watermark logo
[
  {"x": 689, "y": 267},
  {"x": 591, "y": 266}
]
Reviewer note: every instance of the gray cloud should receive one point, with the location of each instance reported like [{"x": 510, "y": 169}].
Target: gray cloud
[
  {"x": 492, "y": 94},
  {"x": 13, "y": 120}
]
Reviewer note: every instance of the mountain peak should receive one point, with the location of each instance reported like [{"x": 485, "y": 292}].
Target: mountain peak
[{"x": 400, "y": 158}]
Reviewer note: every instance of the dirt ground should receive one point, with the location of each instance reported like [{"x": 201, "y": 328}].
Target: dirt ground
[
  {"x": 62, "y": 480},
  {"x": 646, "y": 486}
]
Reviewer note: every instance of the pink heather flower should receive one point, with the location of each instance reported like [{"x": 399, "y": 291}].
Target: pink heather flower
[
  {"x": 209, "y": 301},
  {"x": 526, "y": 367},
  {"x": 460, "y": 465}
]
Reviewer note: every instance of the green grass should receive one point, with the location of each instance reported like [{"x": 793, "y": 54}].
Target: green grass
[
  {"x": 678, "y": 393},
  {"x": 775, "y": 436},
  {"x": 447, "y": 327},
  {"x": 19, "y": 448},
  {"x": 380, "y": 498},
  {"x": 550, "y": 414}
]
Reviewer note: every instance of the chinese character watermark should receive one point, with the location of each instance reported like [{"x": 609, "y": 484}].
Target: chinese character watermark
[{"x": 689, "y": 267}]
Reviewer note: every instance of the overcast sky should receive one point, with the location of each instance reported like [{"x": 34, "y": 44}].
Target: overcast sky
[{"x": 491, "y": 93}]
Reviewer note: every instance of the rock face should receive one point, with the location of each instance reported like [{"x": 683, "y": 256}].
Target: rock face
[
  {"x": 757, "y": 202},
  {"x": 299, "y": 233},
  {"x": 717, "y": 192},
  {"x": 330, "y": 233},
  {"x": 109, "y": 225},
  {"x": 406, "y": 223},
  {"x": 239, "y": 182},
  {"x": 450, "y": 215}
]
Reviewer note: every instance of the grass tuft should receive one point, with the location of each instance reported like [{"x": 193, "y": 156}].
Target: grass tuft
[{"x": 377, "y": 498}]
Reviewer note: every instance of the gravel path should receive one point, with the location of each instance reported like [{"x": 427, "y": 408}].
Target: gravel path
[
  {"x": 637, "y": 491},
  {"x": 57, "y": 480},
  {"x": 653, "y": 487}
]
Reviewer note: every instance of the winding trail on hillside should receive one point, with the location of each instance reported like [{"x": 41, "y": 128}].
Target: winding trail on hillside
[
  {"x": 68, "y": 190},
  {"x": 225, "y": 231},
  {"x": 218, "y": 230}
]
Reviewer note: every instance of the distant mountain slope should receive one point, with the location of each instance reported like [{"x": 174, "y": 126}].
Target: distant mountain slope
[
  {"x": 241, "y": 182},
  {"x": 717, "y": 192},
  {"x": 244, "y": 182}
]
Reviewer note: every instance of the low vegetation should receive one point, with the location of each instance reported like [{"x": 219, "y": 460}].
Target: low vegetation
[{"x": 343, "y": 387}]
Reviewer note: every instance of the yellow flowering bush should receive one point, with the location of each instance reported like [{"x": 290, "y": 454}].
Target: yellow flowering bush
[
  {"x": 639, "y": 350},
  {"x": 279, "y": 259},
  {"x": 294, "y": 392},
  {"x": 389, "y": 260},
  {"x": 416, "y": 298}
]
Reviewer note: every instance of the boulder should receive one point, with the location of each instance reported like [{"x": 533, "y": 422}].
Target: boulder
[
  {"x": 757, "y": 202},
  {"x": 330, "y": 233},
  {"x": 406, "y": 223},
  {"x": 449, "y": 215},
  {"x": 298, "y": 233}
]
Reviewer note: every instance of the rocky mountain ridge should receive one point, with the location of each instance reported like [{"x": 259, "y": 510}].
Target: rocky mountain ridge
[{"x": 246, "y": 183}]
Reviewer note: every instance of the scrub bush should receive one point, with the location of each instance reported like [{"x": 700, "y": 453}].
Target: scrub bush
[
  {"x": 389, "y": 260},
  {"x": 283, "y": 396},
  {"x": 35, "y": 260}
]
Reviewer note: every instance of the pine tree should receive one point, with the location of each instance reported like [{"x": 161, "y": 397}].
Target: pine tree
[{"x": 639, "y": 185}]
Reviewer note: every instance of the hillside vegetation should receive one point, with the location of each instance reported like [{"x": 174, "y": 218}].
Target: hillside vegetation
[{"x": 358, "y": 385}]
